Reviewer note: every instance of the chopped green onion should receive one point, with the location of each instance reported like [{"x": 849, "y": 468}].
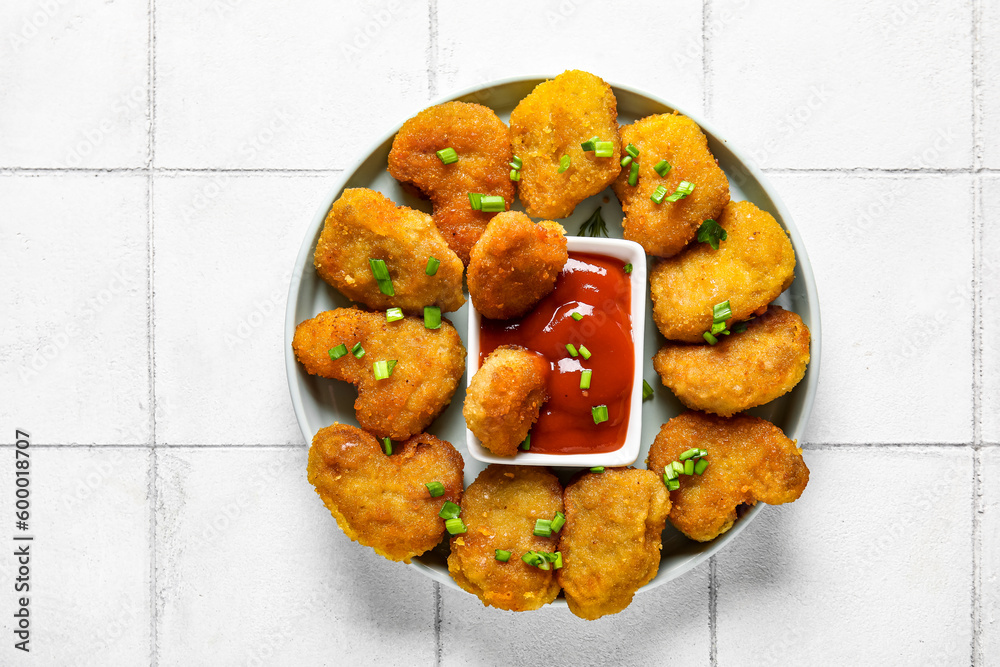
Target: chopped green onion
[
  {"x": 502, "y": 555},
  {"x": 526, "y": 445},
  {"x": 712, "y": 340},
  {"x": 436, "y": 489},
  {"x": 357, "y": 350},
  {"x": 577, "y": 316},
  {"x": 647, "y": 391},
  {"x": 387, "y": 445},
  {"x": 585, "y": 379},
  {"x": 557, "y": 563},
  {"x": 689, "y": 453},
  {"x": 662, "y": 168},
  {"x": 590, "y": 144},
  {"x": 689, "y": 467},
  {"x": 448, "y": 155},
  {"x": 564, "y": 163},
  {"x": 627, "y": 268},
  {"x": 432, "y": 266},
  {"x": 599, "y": 413},
  {"x": 449, "y": 510},
  {"x": 673, "y": 485},
  {"x": 719, "y": 328},
  {"x": 632, "y": 150},
  {"x": 393, "y": 314},
  {"x": 604, "y": 149},
  {"x": 597, "y": 469},
  {"x": 626, "y": 161},
  {"x": 516, "y": 163},
  {"x": 584, "y": 352},
  {"x": 700, "y": 466},
  {"x": 669, "y": 473},
  {"x": 383, "y": 369},
  {"x": 633, "y": 174},
  {"x": 683, "y": 190},
  {"x": 739, "y": 327},
  {"x": 455, "y": 526},
  {"x": 432, "y": 317},
  {"x": 571, "y": 349},
  {"x": 337, "y": 352},
  {"x": 515, "y": 175},
  {"x": 594, "y": 225},
  {"x": 711, "y": 233},
  {"x": 543, "y": 528},
  {"x": 493, "y": 203},
  {"x": 558, "y": 521},
  {"x": 721, "y": 312},
  {"x": 381, "y": 273},
  {"x": 476, "y": 201},
  {"x": 658, "y": 194},
  {"x": 678, "y": 467},
  {"x": 702, "y": 452},
  {"x": 538, "y": 559}
]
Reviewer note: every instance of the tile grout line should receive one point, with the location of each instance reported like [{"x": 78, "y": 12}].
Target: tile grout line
[
  {"x": 438, "y": 608},
  {"x": 713, "y": 617},
  {"x": 154, "y": 657},
  {"x": 977, "y": 656}
]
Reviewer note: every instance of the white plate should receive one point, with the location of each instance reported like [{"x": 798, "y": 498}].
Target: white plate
[{"x": 319, "y": 402}]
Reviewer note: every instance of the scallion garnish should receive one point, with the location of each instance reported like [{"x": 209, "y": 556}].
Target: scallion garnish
[
  {"x": 476, "y": 201},
  {"x": 571, "y": 349},
  {"x": 584, "y": 352},
  {"x": 711, "y": 233},
  {"x": 381, "y": 273},
  {"x": 502, "y": 555},
  {"x": 626, "y": 161},
  {"x": 432, "y": 317},
  {"x": 739, "y": 327},
  {"x": 594, "y": 225},
  {"x": 558, "y": 521},
  {"x": 599, "y": 413},
  {"x": 449, "y": 510},
  {"x": 394, "y": 314},
  {"x": 658, "y": 194},
  {"x": 689, "y": 453},
  {"x": 597, "y": 469},
  {"x": 436, "y": 489},
  {"x": 387, "y": 445},
  {"x": 492, "y": 203},
  {"x": 557, "y": 563},
  {"x": 526, "y": 445},
  {"x": 585, "y": 379},
  {"x": 627, "y": 268},
  {"x": 432, "y": 266},
  {"x": 669, "y": 473},
  {"x": 647, "y": 391},
  {"x": 700, "y": 466},
  {"x": 683, "y": 190},
  {"x": 577, "y": 316},
  {"x": 689, "y": 467},
  {"x": 543, "y": 528},
  {"x": 515, "y": 175},
  {"x": 448, "y": 155},
  {"x": 721, "y": 312},
  {"x": 383, "y": 369},
  {"x": 662, "y": 168},
  {"x": 589, "y": 144},
  {"x": 673, "y": 485},
  {"x": 357, "y": 350},
  {"x": 632, "y": 150},
  {"x": 337, "y": 352},
  {"x": 678, "y": 467},
  {"x": 516, "y": 163},
  {"x": 454, "y": 526},
  {"x": 712, "y": 340},
  {"x": 633, "y": 174},
  {"x": 604, "y": 149},
  {"x": 718, "y": 328},
  {"x": 564, "y": 163}
]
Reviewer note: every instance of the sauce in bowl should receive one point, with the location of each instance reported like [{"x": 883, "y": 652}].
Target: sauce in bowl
[{"x": 596, "y": 287}]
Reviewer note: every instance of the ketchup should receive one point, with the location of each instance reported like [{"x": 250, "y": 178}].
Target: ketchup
[{"x": 597, "y": 287}]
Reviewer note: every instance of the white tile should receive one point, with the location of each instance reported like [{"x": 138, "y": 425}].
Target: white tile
[
  {"x": 990, "y": 284},
  {"x": 845, "y": 84},
  {"x": 665, "y": 625},
  {"x": 74, "y": 359},
  {"x": 251, "y": 567},
  {"x": 893, "y": 264},
  {"x": 241, "y": 85},
  {"x": 89, "y": 560},
  {"x": 989, "y": 70},
  {"x": 74, "y": 76},
  {"x": 989, "y": 588},
  {"x": 662, "y": 55},
  {"x": 872, "y": 565},
  {"x": 224, "y": 250}
]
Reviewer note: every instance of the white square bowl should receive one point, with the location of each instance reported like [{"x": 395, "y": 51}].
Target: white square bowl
[{"x": 628, "y": 252}]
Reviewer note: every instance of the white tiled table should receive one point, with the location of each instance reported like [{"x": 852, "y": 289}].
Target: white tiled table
[{"x": 159, "y": 161}]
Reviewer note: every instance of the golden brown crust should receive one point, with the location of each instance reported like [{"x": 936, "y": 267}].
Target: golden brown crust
[
  {"x": 749, "y": 460},
  {"x": 381, "y": 501},
  {"x": 611, "y": 541},
  {"x": 552, "y": 121},
  {"x": 750, "y": 269},
  {"x": 664, "y": 229},
  {"x": 363, "y": 224},
  {"x": 482, "y": 142},
  {"x": 505, "y": 397},
  {"x": 499, "y": 510},
  {"x": 514, "y": 265},
  {"x": 742, "y": 370},
  {"x": 429, "y": 365}
]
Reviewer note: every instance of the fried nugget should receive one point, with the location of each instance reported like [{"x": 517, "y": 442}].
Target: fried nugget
[
  {"x": 482, "y": 143},
  {"x": 381, "y": 501},
  {"x": 750, "y": 269},
  {"x": 749, "y": 459},
  {"x": 553, "y": 121},
  {"x": 664, "y": 229},
  {"x": 611, "y": 541},
  {"x": 504, "y": 398},
  {"x": 363, "y": 224},
  {"x": 499, "y": 510},
  {"x": 429, "y": 364},
  {"x": 514, "y": 265},
  {"x": 743, "y": 370}
]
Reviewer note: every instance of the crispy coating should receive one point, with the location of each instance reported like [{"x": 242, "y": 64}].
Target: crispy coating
[
  {"x": 664, "y": 229},
  {"x": 363, "y": 224},
  {"x": 514, "y": 265},
  {"x": 749, "y": 459},
  {"x": 499, "y": 510},
  {"x": 743, "y": 370},
  {"x": 482, "y": 142},
  {"x": 504, "y": 398},
  {"x": 552, "y": 121},
  {"x": 611, "y": 541},
  {"x": 750, "y": 269},
  {"x": 429, "y": 364},
  {"x": 381, "y": 501}
]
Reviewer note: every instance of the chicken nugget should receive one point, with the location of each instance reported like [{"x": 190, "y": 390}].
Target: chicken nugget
[
  {"x": 382, "y": 501},
  {"x": 428, "y": 363},
  {"x": 750, "y": 269},
  {"x": 514, "y": 265},
  {"x": 664, "y": 229},
  {"x": 500, "y": 509},
  {"x": 743, "y": 370},
  {"x": 505, "y": 397},
  {"x": 363, "y": 225},
  {"x": 482, "y": 144},
  {"x": 553, "y": 121},
  {"x": 610, "y": 544},
  {"x": 749, "y": 459}
]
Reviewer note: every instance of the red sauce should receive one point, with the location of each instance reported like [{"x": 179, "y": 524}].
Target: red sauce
[{"x": 597, "y": 287}]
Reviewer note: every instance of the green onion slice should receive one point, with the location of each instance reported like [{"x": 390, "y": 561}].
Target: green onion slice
[
  {"x": 387, "y": 445},
  {"x": 689, "y": 467},
  {"x": 678, "y": 467},
  {"x": 662, "y": 168},
  {"x": 711, "y": 233},
  {"x": 557, "y": 563},
  {"x": 558, "y": 521},
  {"x": 585, "y": 379},
  {"x": 449, "y": 510},
  {"x": 633, "y": 174},
  {"x": 516, "y": 163},
  {"x": 689, "y": 453},
  {"x": 626, "y": 161},
  {"x": 700, "y": 466},
  {"x": 597, "y": 469},
  {"x": 432, "y": 266},
  {"x": 632, "y": 150},
  {"x": 383, "y": 369},
  {"x": 673, "y": 485},
  {"x": 436, "y": 489},
  {"x": 712, "y": 340},
  {"x": 590, "y": 144},
  {"x": 739, "y": 327},
  {"x": 337, "y": 352},
  {"x": 599, "y": 413},
  {"x": 564, "y": 163},
  {"x": 627, "y": 268},
  {"x": 721, "y": 312},
  {"x": 658, "y": 194},
  {"x": 543, "y": 528},
  {"x": 393, "y": 314},
  {"x": 719, "y": 328},
  {"x": 476, "y": 201},
  {"x": 502, "y": 555},
  {"x": 526, "y": 445},
  {"x": 572, "y": 350},
  {"x": 493, "y": 203},
  {"x": 515, "y": 175},
  {"x": 604, "y": 149},
  {"x": 669, "y": 473},
  {"x": 381, "y": 273},
  {"x": 357, "y": 350},
  {"x": 647, "y": 391},
  {"x": 683, "y": 190},
  {"x": 432, "y": 317},
  {"x": 584, "y": 352},
  {"x": 455, "y": 526},
  {"x": 577, "y": 316},
  {"x": 448, "y": 155}
]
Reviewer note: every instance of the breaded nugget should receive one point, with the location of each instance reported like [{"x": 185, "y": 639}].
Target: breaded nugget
[
  {"x": 363, "y": 224},
  {"x": 554, "y": 120},
  {"x": 514, "y": 265},
  {"x": 482, "y": 143},
  {"x": 743, "y": 370},
  {"x": 611, "y": 541},
  {"x": 664, "y": 229},
  {"x": 750, "y": 269},
  {"x": 429, "y": 364},
  {"x": 504, "y": 398},
  {"x": 749, "y": 459},
  {"x": 381, "y": 501},
  {"x": 499, "y": 510}
]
